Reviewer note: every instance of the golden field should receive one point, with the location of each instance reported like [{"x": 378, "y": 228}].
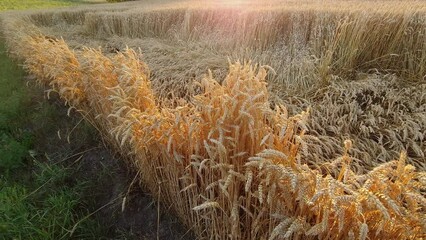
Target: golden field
[{"x": 252, "y": 119}]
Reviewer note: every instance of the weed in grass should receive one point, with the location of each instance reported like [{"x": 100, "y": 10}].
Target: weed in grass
[{"x": 13, "y": 152}]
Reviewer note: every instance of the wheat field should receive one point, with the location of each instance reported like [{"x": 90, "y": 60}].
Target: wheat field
[{"x": 273, "y": 119}]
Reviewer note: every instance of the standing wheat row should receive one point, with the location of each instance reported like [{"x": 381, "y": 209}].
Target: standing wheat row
[{"x": 229, "y": 164}]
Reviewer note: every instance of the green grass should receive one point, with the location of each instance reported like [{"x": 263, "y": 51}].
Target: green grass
[
  {"x": 45, "y": 206},
  {"x": 40, "y": 4},
  {"x": 14, "y": 141},
  {"x": 39, "y": 199}
]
